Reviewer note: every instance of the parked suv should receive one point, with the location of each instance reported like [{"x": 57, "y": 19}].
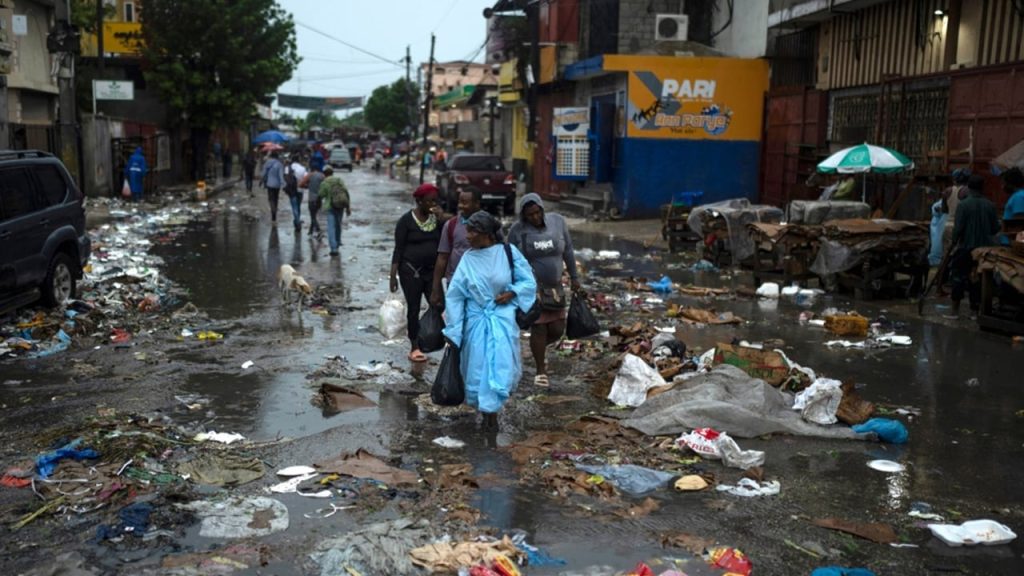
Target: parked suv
[
  {"x": 43, "y": 244},
  {"x": 484, "y": 171}
]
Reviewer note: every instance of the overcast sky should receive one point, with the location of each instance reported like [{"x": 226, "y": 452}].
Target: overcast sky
[{"x": 383, "y": 28}]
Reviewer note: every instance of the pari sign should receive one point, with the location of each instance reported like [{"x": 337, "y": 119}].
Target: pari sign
[{"x": 693, "y": 98}]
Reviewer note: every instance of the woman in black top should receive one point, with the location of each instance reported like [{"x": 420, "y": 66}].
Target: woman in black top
[{"x": 417, "y": 234}]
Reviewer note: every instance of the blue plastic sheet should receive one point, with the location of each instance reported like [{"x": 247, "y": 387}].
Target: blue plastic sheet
[
  {"x": 663, "y": 286},
  {"x": 47, "y": 463},
  {"x": 635, "y": 480},
  {"x": 63, "y": 343},
  {"x": 891, "y": 431}
]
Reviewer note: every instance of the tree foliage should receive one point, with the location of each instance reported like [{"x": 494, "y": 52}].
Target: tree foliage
[
  {"x": 389, "y": 107},
  {"x": 355, "y": 120},
  {"x": 212, "y": 60},
  {"x": 323, "y": 119},
  {"x": 83, "y": 14}
]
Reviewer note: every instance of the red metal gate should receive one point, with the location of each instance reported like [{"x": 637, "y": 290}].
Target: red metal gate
[{"x": 794, "y": 138}]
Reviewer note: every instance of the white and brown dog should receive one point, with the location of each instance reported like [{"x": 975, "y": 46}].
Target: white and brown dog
[{"x": 291, "y": 283}]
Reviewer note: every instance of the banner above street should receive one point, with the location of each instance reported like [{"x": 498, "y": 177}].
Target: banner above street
[{"x": 319, "y": 102}]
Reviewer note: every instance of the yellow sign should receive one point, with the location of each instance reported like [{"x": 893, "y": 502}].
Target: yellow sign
[
  {"x": 693, "y": 98},
  {"x": 118, "y": 38}
]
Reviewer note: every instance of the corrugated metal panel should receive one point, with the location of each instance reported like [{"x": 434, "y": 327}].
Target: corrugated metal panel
[
  {"x": 903, "y": 38},
  {"x": 795, "y": 131},
  {"x": 1002, "y": 32}
]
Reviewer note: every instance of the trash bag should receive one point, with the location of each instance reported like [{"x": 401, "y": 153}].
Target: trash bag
[
  {"x": 580, "y": 322},
  {"x": 631, "y": 479},
  {"x": 126, "y": 190},
  {"x": 448, "y": 389},
  {"x": 891, "y": 431},
  {"x": 430, "y": 337},
  {"x": 392, "y": 317},
  {"x": 819, "y": 402},
  {"x": 634, "y": 379}
]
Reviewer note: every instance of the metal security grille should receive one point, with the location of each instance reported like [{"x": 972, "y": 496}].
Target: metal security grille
[{"x": 572, "y": 157}]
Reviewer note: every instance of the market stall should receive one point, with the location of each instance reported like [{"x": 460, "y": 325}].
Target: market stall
[
  {"x": 871, "y": 257},
  {"x": 723, "y": 228}
]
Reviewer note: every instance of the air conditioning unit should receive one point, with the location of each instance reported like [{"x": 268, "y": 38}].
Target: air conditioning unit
[{"x": 671, "y": 27}]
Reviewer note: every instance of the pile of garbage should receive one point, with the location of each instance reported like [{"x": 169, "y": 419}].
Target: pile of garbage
[{"x": 120, "y": 294}]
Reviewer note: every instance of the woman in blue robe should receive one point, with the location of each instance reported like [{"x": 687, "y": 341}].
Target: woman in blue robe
[{"x": 480, "y": 309}]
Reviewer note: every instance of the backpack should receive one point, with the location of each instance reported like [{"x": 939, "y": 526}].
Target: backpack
[
  {"x": 291, "y": 185},
  {"x": 337, "y": 193}
]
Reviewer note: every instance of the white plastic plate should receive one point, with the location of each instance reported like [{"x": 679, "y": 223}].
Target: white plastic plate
[
  {"x": 984, "y": 532},
  {"x": 886, "y": 466}
]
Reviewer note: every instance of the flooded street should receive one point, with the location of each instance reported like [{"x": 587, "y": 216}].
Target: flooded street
[{"x": 961, "y": 387}]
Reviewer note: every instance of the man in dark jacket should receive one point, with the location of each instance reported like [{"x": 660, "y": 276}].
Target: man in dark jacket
[{"x": 976, "y": 226}]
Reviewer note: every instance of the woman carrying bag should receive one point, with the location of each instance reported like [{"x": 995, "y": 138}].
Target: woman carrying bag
[
  {"x": 417, "y": 234},
  {"x": 480, "y": 308},
  {"x": 545, "y": 242}
]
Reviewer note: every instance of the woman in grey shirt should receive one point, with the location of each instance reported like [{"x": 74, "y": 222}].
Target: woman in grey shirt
[{"x": 544, "y": 240}]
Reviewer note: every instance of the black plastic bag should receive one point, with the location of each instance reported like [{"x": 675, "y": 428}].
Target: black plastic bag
[
  {"x": 526, "y": 319},
  {"x": 448, "y": 389},
  {"x": 430, "y": 337},
  {"x": 581, "y": 321}
]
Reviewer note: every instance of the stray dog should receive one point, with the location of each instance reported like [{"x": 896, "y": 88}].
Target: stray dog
[{"x": 291, "y": 283}]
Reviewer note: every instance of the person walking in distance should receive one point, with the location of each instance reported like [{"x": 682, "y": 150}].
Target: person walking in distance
[
  {"x": 453, "y": 243},
  {"x": 249, "y": 169},
  {"x": 135, "y": 171},
  {"x": 294, "y": 173},
  {"x": 336, "y": 200},
  {"x": 272, "y": 180},
  {"x": 976, "y": 226},
  {"x": 417, "y": 234},
  {"x": 544, "y": 240},
  {"x": 311, "y": 181}
]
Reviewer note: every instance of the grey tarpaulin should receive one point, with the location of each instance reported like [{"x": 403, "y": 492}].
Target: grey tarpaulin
[
  {"x": 728, "y": 400},
  {"x": 736, "y": 213},
  {"x": 821, "y": 211},
  {"x": 382, "y": 548},
  {"x": 635, "y": 480}
]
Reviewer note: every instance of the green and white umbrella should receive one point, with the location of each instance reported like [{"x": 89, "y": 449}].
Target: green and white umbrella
[{"x": 866, "y": 158}]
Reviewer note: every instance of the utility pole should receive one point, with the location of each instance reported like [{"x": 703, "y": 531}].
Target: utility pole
[
  {"x": 410, "y": 107},
  {"x": 99, "y": 37},
  {"x": 64, "y": 42},
  {"x": 491, "y": 102},
  {"x": 429, "y": 87},
  {"x": 5, "y": 135}
]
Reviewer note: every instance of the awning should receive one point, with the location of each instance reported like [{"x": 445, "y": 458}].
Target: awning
[{"x": 457, "y": 97}]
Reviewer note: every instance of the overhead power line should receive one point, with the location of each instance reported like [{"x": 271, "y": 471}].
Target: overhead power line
[{"x": 350, "y": 45}]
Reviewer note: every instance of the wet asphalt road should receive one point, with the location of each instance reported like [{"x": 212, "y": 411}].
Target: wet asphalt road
[{"x": 965, "y": 453}]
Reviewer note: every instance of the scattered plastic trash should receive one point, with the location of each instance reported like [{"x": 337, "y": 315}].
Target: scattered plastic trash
[
  {"x": 134, "y": 521},
  {"x": 733, "y": 457},
  {"x": 608, "y": 255},
  {"x": 895, "y": 339},
  {"x": 291, "y": 485},
  {"x": 973, "y": 532},
  {"x": 731, "y": 559},
  {"x": 888, "y": 430},
  {"x": 819, "y": 402},
  {"x": 381, "y": 548},
  {"x": 886, "y": 466},
  {"x": 690, "y": 483},
  {"x": 751, "y": 488},
  {"x": 392, "y": 317},
  {"x": 840, "y": 571},
  {"x": 534, "y": 556},
  {"x": 448, "y": 557},
  {"x": 47, "y": 463},
  {"x": 449, "y": 442},
  {"x": 239, "y": 517},
  {"x": 634, "y": 379},
  {"x": 790, "y": 291},
  {"x": 248, "y": 364},
  {"x": 630, "y": 478},
  {"x": 210, "y": 335},
  {"x": 768, "y": 290},
  {"x": 222, "y": 437},
  {"x": 701, "y": 441},
  {"x": 662, "y": 286},
  {"x": 703, "y": 266}
]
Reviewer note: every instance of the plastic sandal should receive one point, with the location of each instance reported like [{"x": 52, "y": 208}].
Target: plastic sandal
[{"x": 541, "y": 380}]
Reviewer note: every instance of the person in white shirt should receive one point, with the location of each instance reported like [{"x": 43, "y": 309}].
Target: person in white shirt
[{"x": 294, "y": 174}]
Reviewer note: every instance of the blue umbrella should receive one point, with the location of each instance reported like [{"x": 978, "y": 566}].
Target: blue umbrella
[{"x": 270, "y": 136}]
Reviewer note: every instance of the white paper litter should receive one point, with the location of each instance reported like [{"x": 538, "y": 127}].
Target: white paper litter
[
  {"x": 248, "y": 364},
  {"x": 292, "y": 485},
  {"x": 750, "y": 488},
  {"x": 449, "y": 442},
  {"x": 222, "y": 437},
  {"x": 296, "y": 471},
  {"x": 768, "y": 290}
]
